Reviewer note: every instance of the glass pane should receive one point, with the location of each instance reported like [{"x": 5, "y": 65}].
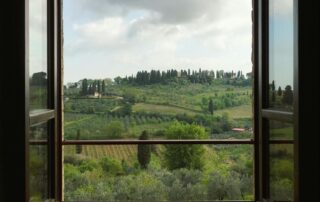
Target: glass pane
[
  {"x": 280, "y": 130},
  {"x": 38, "y": 163},
  {"x": 281, "y": 172},
  {"x": 281, "y": 54},
  {"x": 142, "y": 65},
  {"x": 38, "y": 54},
  {"x": 158, "y": 173}
]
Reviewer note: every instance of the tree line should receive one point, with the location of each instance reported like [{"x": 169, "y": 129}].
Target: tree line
[
  {"x": 90, "y": 87},
  {"x": 286, "y": 95},
  {"x": 194, "y": 76}
]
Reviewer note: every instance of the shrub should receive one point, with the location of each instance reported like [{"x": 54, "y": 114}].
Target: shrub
[
  {"x": 111, "y": 166},
  {"x": 222, "y": 187},
  {"x": 114, "y": 129},
  {"x": 184, "y": 156},
  {"x": 144, "y": 151}
]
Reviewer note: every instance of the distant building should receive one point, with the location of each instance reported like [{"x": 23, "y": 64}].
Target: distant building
[
  {"x": 95, "y": 95},
  {"x": 239, "y": 130}
]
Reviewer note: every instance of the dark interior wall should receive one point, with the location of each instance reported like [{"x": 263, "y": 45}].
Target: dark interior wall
[
  {"x": 308, "y": 74},
  {"x": 12, "y": 101}
]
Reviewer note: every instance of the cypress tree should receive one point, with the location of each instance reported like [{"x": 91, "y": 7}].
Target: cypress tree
[
  {"x": 103, "y": 87},
  {"x": 279, "y": 91},
  {"x": 210, "y": 106},
  {"x": 84, "y": 90},
  {"x": 78, "y": 147},
  {"x": 144, "y": 151}
]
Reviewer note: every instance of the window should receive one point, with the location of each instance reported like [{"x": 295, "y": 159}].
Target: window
[
  {"x": 283, "y": 146},
  {"x": 277, "y": 101}
]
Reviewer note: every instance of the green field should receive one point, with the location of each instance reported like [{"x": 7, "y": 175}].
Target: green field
[
  {"x": 122, "y": 152},
  {"x": 155, "y": 107},
  {"x": 161, "y": 108},
  {"x": 177, "y": 107},
  {"x": 243, "y": 111}
]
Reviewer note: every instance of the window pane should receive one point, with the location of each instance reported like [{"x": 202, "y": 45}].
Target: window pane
[
  {"x": 143, "y": 65},
  {"x": 163, "y": 173},
  {"x": 281, "y": 54},
  {"x": 38, "y": 163},
  {"x": 281, "y": 172},
  {"x": 38, "y": 54},
  {"x": 280, "y": 130}
]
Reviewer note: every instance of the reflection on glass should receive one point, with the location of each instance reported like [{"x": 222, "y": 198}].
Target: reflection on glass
[
  {"x": 281, "y": 54},
  {"x": 280, "y": 130},
  {"x": 38, "y": 163},
  {"x": 38, "y": 54},
  {"x": 281, "y": 172},
  {"x": 158, "y": 173}
]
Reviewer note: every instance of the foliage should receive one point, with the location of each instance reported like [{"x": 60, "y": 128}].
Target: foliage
[
  {"x": 173, "y": 105},
  {"x": 287, "y": 95},
  {"x": 39, "y": 79},
  {"x": 111, "y": 166},
  {"x": 172, "y": 75},
  {"x": 114, "y": 129},
  {"x": 108, "y": 179},
  {"x": 88, "y": 165},
  {"x": 184, "y": 156},
  {"x": 221, "y": 187},
  {"x": 144, "y": 151},
  {"x": 210, "y": 106}
]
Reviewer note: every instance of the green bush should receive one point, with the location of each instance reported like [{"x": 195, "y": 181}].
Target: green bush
[
  {"x": 88, "y": 165},
  {"x": 222, "y": 187},
  {"x": 184, "y": 156},
  {"x": 111, "y": 166},
  {"x": 114, "y": 129}
]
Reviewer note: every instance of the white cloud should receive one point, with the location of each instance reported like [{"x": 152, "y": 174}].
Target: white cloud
[{"x": 129, "y": 35}]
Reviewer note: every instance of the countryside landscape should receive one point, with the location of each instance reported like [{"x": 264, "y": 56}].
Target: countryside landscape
[{"x": 172, "y": 104}]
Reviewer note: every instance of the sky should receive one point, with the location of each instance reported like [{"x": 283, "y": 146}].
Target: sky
[
  {"x": 281, "y": 40},
  {"x": 109, "y": 38},
  {"x": 37, "y": 37}
]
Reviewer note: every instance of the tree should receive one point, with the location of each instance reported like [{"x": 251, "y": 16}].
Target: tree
[
  {"x": 184, "y": 156},
  {"x": 129, "y": 96},
  {"x": 127, "y": 109},
  {"x": 273, "y": 91},
  {"x": 117, "y": 80},
  {"x": 210, "y": 106},
  {"x": 279, "y": 91},
  {"x": 287, "y": 96},
  {"x": 221, "y": 187},
  {"x": 99, "y": 87},
  {"x": 273, "y": 86},
  {"x": 78, "y": 147},
  {"x": 84, "y": 90},
  {"x": 144, "y": 151},
  {"x": 39, "y": 79},
  {"x": 114, "y": 129},
  {"x": 204, "y": 104},
  {"x": 273, "y": 98},
  {"x": 103, "y": 87}
]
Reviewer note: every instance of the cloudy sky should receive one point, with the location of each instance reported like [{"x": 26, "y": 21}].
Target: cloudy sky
[
  {"x": 281, "y": 40},
  {"x": 107, "y": 38}
]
